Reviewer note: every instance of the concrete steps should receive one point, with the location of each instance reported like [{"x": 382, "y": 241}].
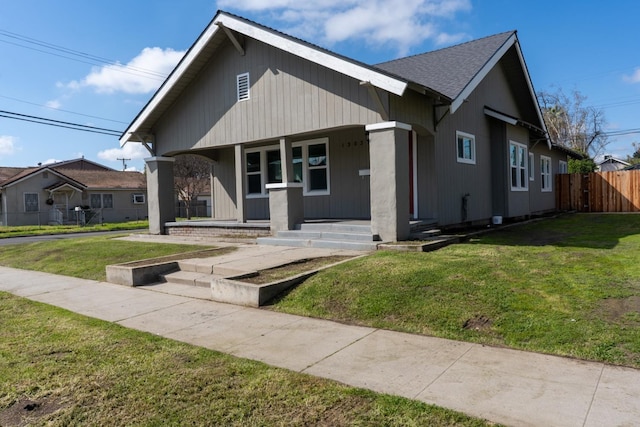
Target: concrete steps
[
  {"x": 357, "y": 237},
  {"x": 190, "y": 278}
]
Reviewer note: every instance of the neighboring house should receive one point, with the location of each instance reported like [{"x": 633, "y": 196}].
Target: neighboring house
[
  {"x": 296, "y": 132},
  {"x": 70, "y": 192},
  {"x": 610, "y": 163}
]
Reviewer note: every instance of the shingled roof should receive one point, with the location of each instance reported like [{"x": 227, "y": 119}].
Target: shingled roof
[
  {"x": 87, "y": 179},
  {"x": 448, "y": 71}
]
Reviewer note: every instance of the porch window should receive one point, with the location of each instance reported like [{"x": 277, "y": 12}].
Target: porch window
[
  {"x": 545, "y": 173},
  {"x": 518, "y": 165},
  {"x": 466, "y": 148},
  {"x": 31, "y": 202},
  {"x": 254, "y": 173},
  {"x": 311, "y": 166}
]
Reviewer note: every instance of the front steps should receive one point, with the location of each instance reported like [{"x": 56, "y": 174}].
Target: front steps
[{"x": 357, "y": 237}]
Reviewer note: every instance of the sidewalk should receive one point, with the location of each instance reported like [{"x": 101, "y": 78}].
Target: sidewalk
[{"x": 501, "y": 385}]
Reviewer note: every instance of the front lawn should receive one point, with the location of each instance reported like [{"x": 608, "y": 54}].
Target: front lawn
[
  {"x": 62, "y": 369},
  {"x": 567, "y": 286},
  {"x": 36, "y": 230}
]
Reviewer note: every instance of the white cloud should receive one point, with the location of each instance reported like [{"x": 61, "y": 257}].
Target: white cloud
[
  {"x": 55, "y": 104},
  {"x": 132, "y": 151},
  {"x": 143, "y": 74},
  {"x": 400, "y": 24},
  {"x": 7, "y": 145},
  {"x": 51, "y": 161},
  {"x": 634, "y": 77}
]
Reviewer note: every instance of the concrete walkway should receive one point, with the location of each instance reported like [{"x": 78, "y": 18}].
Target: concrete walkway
[{"x": 505, "y": 386}]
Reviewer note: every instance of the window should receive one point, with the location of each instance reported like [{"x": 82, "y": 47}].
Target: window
[
  {"x": 310, "y": 167},
  {"x": 101, "y": 201},
  {"x": 466, "y": 148},
  {"x": 545, "y": 173},
  {"x": 518, "y": 165},
  {"x": 243, "y": 86},
  {"x": 31, "y": 202},
  {"x": 137, "y": 199},
  {"x": 563, "y": 167},
  {"x": 531, "y": 167}
]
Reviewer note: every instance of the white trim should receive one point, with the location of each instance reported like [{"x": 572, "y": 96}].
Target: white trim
[
  {"x": 244, "y": 93},
  {"x": 500, "y": 116},
  {"x": 525, "y": 184},
  {"x": 563, "y": 166},
  {"x": 472, "y": 160},
  {"x": 549, "y": 176},
  {"x": 414, "y": 139},
  {"x": 364, "y": 172},
  {"x": 279, "y": 185},
  {"x": 305, "y": 166},
  {"x": 360, "y": 72},
  {"x": 532, "y": 167},
  {"x": 387, "y": 125},
  {"x": 471, "y": 86}
]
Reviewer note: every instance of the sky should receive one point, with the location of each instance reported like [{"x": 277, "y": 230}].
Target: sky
[{"x": 97, "y": 63}]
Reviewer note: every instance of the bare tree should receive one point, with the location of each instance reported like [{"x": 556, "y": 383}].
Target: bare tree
[
  {"x": 191, "y": 177},
  {"x": 573, "y": 124}
]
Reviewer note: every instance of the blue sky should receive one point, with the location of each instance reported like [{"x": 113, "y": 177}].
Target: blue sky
[{"x": 64, "y": 60}]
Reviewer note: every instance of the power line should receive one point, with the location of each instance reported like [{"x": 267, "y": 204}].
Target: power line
[
  {"x": 59, "y": 123},
  {"x": 66, "y": 53},
  {"x": 64, "y": 111}
]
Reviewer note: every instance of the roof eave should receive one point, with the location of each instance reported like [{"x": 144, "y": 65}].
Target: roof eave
[{"x": 350, "y": 68}]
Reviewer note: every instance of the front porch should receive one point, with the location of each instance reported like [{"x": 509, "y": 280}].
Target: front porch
[{"x": 320, "y": 233}]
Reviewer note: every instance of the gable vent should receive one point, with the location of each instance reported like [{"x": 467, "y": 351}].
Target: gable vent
[{"x": 243, "y": 86}]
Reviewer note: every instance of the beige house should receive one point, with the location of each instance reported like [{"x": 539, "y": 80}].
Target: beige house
[
  {"x": 297, "y": 132},
  {"x": 70, "y": 192}
]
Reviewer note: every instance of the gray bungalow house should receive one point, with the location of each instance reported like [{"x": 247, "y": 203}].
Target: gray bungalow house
[
  {"x": 297, "y": 132},
  {"x": 50, "y": 194}
]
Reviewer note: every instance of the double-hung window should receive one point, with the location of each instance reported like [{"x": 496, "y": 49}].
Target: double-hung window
[
  {"x": 563, "y": 167},
  {"x": 466, "y": 147},
  {"x": 518, "y": 160},
  {"x": 101, "y": 201},
  {"x": 531, "y": 167},
  {"x": 310, "y": 167},
  {"x": 545, "y": 173}
]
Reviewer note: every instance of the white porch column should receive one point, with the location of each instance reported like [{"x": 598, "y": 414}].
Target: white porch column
[
  {"x": 240, "y": 169},
  {"x": 389, "y": 162},
  {"x": 160, "y": 193}
]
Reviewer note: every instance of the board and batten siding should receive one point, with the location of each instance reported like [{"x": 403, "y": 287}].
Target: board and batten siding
[
  {"x": 544, "y": 201},
  {"x": 518, "y": 202},
  {"x": 288, "y": 96},
  {"x": 455, "y": 180}
]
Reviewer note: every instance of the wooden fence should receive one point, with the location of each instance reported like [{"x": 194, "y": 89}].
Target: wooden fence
[{"x": 615, "y": 191}]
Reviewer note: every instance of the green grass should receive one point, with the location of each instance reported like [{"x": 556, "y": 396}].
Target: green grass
[
  {"x": 35, "y": 230},
  {"x": 59, "y": 369},
  {"x": 84, "y": 257},
  {"x": 567, "y": 286}
]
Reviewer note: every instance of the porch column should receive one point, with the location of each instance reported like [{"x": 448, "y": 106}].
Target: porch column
[
  {"x": 389, "y": 161},
  {"x": 286, "y": 206},
  {"x": 241, "y": 166},
  {"x": 160, "y": 193}
]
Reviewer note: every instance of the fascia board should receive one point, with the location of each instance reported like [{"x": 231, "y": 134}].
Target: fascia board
[
  {"x": 473, "y": 84},
  {"x": 365, "y": 74},
  {"x": 168, "y": 84},
  {"x": 390, "y": 84}
]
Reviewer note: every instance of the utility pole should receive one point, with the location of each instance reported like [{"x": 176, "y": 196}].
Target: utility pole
[{"x": 124, "y": 164}]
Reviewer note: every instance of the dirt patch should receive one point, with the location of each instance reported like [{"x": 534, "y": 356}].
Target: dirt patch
[
  {"x": 27, "y": 412},
  {"x": 620, "y": 309},
  {"x": 292, "y": 269},
  {"x": 478, "y": 323}
]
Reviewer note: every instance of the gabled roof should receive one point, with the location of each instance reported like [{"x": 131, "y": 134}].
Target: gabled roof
[
  {"x": 216, "y": 32},
  {"x": 451, "y": 70},
  {"x": 78, "y": 178},
  {"x": 451, "y": 73},
  {"x": 80, "y": 163}
]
